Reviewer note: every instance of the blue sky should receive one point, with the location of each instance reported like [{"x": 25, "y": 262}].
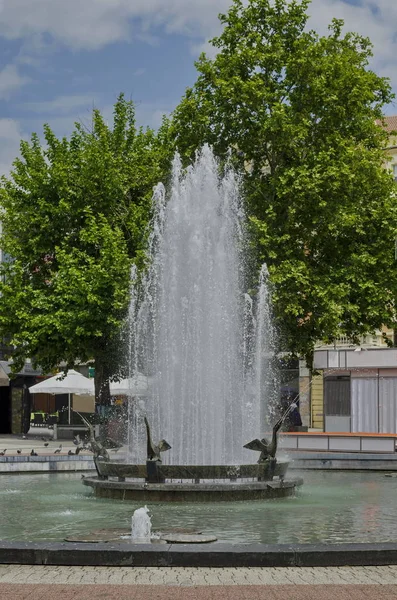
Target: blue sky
[{"x": 59, "y": 58}]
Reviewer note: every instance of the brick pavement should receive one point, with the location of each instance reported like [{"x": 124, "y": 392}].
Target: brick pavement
[
  {"x": 150, "y": 592},
  {"x": 23, "y": 582}
]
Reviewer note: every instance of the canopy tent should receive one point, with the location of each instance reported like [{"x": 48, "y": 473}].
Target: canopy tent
[
  {"x": 71, "y": 383},
  {"x": 138, "y": 385}
]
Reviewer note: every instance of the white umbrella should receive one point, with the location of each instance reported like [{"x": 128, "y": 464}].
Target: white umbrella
[
  {"x": 72, "y": 383},
  {"x": 138, "y": 385}
]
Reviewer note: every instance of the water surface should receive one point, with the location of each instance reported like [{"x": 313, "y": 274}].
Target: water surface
[{"x": 330, "y": 507}]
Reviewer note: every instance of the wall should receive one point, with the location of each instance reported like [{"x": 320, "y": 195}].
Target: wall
[
  {"x": 84, "y": 403},
  {"x": 304, "y": 394},
  {"x": 317, "y": 402}
]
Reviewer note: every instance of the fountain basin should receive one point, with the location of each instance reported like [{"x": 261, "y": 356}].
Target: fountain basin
[
  {"x": 155, "y": 482},
  {"x": 108, "y": 469},
  {"x": 192, "y": 492}
]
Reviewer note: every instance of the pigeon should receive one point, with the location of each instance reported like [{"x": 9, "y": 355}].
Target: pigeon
[
  {"x": 45, "y": 444},
  {"x": 57, "y": 451},
  {"x": 19, "y": 451},
  {"x": 71, "y": 453},
  {"x": 4, "y": 451},
  {"x": 77, "y": 440},
  {"x": 33, "y": 453}
]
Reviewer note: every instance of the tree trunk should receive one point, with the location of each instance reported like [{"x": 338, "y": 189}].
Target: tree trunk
[
  {"x": 101, "y": 382},
  {"x": 26, "y": 409}
]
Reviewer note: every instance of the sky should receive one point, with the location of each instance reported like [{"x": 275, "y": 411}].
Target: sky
[{"x": 61, "y": 58}]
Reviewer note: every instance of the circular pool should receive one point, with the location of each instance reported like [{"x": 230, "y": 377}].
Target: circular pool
[{"x": 333, "y": 507}]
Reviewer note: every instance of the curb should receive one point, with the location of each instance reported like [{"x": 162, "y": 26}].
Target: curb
[{"x": 190, "y": 555}]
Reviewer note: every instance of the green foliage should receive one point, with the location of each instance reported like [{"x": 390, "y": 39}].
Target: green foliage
[
  {"x": 74, "y": 216},
  {"x": 299, "y": 112}
]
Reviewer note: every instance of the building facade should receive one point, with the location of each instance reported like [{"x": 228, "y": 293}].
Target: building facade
[{"x": 354, "y": 388}]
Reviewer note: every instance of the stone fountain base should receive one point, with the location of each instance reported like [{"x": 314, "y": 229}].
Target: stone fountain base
[
  {"x": 193, "y": 492},
  {"x": 155, "y": 482}
]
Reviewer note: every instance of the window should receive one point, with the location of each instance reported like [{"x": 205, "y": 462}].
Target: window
[{"x": 337, "y": 396}]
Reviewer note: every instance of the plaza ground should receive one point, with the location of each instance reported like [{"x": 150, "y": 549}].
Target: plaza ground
[
  {"x": 33, "y": 440},
  {"x": 19, "y": 582}
]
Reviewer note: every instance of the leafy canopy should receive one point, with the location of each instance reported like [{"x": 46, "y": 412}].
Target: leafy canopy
[
  {"x": 299, "y": 112},
  {"x": 74, "y": 216}
]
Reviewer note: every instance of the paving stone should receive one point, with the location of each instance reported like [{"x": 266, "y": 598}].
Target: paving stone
[
  {"x": 150, "y": 592},
  {"x": 380, "y": 577}
]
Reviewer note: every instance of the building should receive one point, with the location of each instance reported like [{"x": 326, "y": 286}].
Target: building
[
  {"x": 355, "y": 390},
  {"x": 391, "y": 150},
  {"x": 355, "y": 387}
]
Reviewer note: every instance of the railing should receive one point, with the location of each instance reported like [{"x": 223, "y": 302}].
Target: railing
[
  {"x": 367, "y": 341},
  {"x": 339, "y": 442}
]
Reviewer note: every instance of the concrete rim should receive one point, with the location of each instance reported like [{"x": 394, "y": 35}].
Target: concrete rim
[{"x": 190, "y": 555}]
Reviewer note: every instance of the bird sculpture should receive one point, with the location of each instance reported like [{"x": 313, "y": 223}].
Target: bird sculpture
[
  {"x": 58, "y": 450},
  {"x": 153, "y": 450},
  {"x": 3, "y": 452},
  {"x": 94, "y": 445},
  {"x": 268, "y": 449}
]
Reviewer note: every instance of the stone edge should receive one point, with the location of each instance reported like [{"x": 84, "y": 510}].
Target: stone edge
[{"x": 190, "y": 555}]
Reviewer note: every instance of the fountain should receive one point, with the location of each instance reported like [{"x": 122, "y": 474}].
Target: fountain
[
  {"x": 208, "y": 349},
  {"x": 141, "y": 526}
]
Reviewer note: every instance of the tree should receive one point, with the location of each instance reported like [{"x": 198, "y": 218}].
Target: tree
[
  {"x": 299, "y": 113},
  {"x": 74, "y": 217}
]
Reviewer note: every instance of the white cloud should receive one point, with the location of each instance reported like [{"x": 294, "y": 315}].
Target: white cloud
[
  {"x": 10, "y": 137},
  {"x": 92, "y": 24},
  {"x": 10, "y": 81}
]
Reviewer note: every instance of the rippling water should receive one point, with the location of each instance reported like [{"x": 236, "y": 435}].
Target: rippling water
[{"x": 330, "y": 507}]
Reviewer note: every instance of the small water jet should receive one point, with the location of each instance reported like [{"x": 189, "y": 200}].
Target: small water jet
[{"x": 141, "y": 526}]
